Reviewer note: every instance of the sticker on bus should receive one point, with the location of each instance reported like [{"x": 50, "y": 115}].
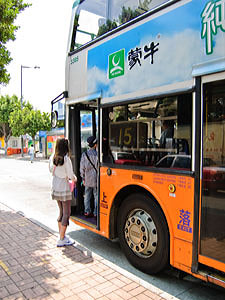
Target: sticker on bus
[{"x": 184, "y": 223}]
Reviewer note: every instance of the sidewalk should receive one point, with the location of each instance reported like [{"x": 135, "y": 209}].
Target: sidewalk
[
  {"x": 32, "y": 267},
  {"x": 25, "y": 156}
]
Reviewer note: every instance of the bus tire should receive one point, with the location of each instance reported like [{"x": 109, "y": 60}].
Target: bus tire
[{"x": 143, "y": 233}]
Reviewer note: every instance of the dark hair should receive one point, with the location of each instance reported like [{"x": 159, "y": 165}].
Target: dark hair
[{"x": 61, "y": 149}]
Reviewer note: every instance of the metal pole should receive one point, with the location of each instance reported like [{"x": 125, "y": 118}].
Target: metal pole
[
  {"x": 21, "y": 96},
  {"x": 21, "y": 102}
]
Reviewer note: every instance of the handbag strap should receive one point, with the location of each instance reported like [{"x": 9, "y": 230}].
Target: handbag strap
[{"x": 91, "y": 162}]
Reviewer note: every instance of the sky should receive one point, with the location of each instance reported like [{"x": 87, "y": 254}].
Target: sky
[{"x": 40, "y": 41}]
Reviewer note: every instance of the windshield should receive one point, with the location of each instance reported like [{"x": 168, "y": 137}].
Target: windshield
[{"x": 93, "y": 18}]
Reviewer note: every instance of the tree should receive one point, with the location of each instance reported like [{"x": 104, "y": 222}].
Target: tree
[
  {"x": 7, "y": 106},
  {"x": 16, "y": 119},
  {"x": 109, "y": 25},
  {"x": 36, "y": 121},
  {"x": 9, "y": 9},
  {"x": 29, "y": 121},
  {"x": 128, "y": 14}
]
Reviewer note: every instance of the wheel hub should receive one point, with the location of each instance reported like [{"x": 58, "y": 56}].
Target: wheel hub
[{"x": 140, "y": 233}]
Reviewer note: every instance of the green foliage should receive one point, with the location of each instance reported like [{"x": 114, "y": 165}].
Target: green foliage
[
  {"x": 7, "y": 106},
  {"x": 9, "y": 9},
  {"x": 109, "y": 25},
  {"x": 128, "y": 14},
  {"x": 16, "y": 121},
  {"x": 29, "y": 121}
]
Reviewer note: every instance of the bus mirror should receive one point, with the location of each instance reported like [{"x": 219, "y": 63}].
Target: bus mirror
[{"x": 54, "y": 119}]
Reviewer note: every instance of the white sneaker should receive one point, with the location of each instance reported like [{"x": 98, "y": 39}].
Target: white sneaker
[
  {"x": 69, "y": 241},
  {"x": 65, "y": 242},
  {"x": 61, "y": 243}
]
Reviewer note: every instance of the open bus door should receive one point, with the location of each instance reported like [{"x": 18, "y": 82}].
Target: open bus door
[
  {"x": 82, "y": 124},
  {"x": 212, "y": 209}
]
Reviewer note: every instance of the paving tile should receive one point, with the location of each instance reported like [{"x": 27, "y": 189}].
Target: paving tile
[
  {"x": 99, "y": 278},
  {"x": 125, "y": 279},
  {"x": 138, "y": 290},
  {"x": 95, "y": 293},
  {"x": 5, "y": 282},
  {"x": 130, "y": 287},
  {"x": 91, "y": 281},
  {"x": 36, "y": 269},
  {"x": 3, "y": 292},
  {"x": 111, "y": 276},
  {"x": 66, "y": 292},
  {"x": 143, "y": 297},
  {"x": 123, "y": 294},
  {"x": 103, "y": 285},
  {"x": 118, "y": 282},
  {"x": 29, "y": 293},
  {"x": 113, "y": 296},
  {"x": 18, "y": 296},
  {"x": 85, "y": 296},
  {"x": 12, "y": 288},
  {"x": 152, "y": 295}
]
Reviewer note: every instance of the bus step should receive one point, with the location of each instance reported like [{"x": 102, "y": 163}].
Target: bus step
[{"x": 216, "y": 279}]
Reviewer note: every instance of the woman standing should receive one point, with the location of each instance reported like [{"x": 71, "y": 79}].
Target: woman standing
[{"x": 60, "y": 166}]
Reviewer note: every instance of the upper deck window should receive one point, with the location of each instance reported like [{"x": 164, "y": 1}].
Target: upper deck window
[{"x": 93, "y": 18}]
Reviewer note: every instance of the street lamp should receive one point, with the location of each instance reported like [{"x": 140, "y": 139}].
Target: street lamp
[{"x": 21, "y": 97}]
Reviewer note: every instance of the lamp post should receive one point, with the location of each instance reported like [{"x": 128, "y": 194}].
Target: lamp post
[{"x": 21, "y": 97}]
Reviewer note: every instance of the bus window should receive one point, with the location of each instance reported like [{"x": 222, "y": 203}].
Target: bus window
[
  {"x": 143, "y": 133},
  {"x": 103, "y": 16}
]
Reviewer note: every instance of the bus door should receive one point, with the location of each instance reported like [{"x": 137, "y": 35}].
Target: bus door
[
  {"x": 212, "y": 233},
  {"x": 82, "y": 124}
]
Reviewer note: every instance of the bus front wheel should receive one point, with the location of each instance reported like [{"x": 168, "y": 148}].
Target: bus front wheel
[{"x": 143, "y": 233}]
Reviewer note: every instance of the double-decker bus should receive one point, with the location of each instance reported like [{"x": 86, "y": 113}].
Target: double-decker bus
[{"x": 151, "y": 75}]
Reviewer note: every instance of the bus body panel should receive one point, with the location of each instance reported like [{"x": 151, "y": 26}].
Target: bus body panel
[{"x": 178, "y": 213}]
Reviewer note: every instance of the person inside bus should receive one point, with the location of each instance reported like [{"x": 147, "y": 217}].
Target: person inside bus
[
  {"x": 88, "y": 173},
  {"x": 60, "y": 166},
  {"x": 168, "y": 132}
]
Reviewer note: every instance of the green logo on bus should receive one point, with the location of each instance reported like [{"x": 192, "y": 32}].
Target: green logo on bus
[{"x": 116, "y": 64}]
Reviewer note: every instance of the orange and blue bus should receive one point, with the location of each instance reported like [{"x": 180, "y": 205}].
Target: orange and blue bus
[{"x": 151, "y": 76}]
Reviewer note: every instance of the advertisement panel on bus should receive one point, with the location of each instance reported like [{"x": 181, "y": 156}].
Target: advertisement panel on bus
[{"x": 150, "y": 55}]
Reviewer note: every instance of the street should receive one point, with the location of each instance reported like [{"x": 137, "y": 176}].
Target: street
[{"x": 25, "y": 187}]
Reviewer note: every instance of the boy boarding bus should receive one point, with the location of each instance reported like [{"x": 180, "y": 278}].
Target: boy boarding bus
[{"x": 152, "y": 76}]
